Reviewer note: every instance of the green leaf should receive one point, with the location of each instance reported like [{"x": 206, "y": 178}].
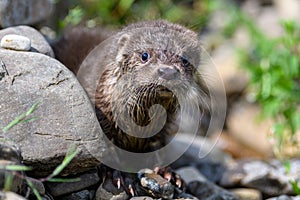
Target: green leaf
[
  {"x": 33, "y": 108},
  {"x": 15, "y": 167},
  {"x": 124, "y": 5},
  {"x": 8, "y": 181},
  {"x": 35, "y": 191},
  {"x": 72, "y": 152},
  {"x": 14, "y": 122},
  {"x": 294, "y": 66},
  {"x": 287, "y": 166},
  {"x": 64, "y": 180},
  {"x": 295, "y": 187},
  {"x": 295, "y": 121},
  {"x": 22, "y": 118},
  {"x": 266, "y": 85},
  {"x": 279, "y": 132}
]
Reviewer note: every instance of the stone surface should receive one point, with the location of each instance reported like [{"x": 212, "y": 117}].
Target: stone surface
[
  {"x": 86, "y": 180},
  {"x": 288, "y": 9},
  {"x": 209, "y": 191},
  {"x": 199, "y": 148},
  {"x": 38, "y": 42},
  {"x": 212, "y": 171},
  {"x": 202, "y": 154},
  {"x": 190, "y": 174},
  {"x": 64, "y": 116},
  {"x": 10, "y": 196},
  {"x": 247, "y": 194},
  {"x": 81, "y": 195},
  {"x": 229, "y": 144},
  {"x": 200, "y": 187},
  {"x": 243, "y": 125},
  {"x": 24, "y": 11},
  {"x": 285, "y": 197},
  {"x": 141, "y": 198},
  {"x": 15, "y": 42},
  {"x": 271, "y": 178}
]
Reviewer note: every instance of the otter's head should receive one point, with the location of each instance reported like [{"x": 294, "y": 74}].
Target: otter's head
[
  {"x": 157, "y": 64},
  {"x": 160, "y": 50}
]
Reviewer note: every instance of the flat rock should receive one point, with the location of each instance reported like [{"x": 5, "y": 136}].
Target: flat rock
[
  {"x": 190, "y": 174},
  {"x": 229, "y": 144},
  {"x": 24, "y": 11},
  {"x": 202, "y": 188},
  {"x": 81, "y": 195},
  {"x": 64, "y": 116},
  {"x": 15, "y": 42},
  {"x": 199, "y": 148},
  {"x": 86, "y": 180},
  {"x": 285, "y": 197},
  {"x": 209, "y": 191},
  {"x": 38, "y": 42}
]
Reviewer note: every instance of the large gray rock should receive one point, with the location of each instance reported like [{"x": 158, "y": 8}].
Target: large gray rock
[
  {"x": 64, "y": 116},
  {"x": 15, "y": 12},
  {"x": 38, "y": 42},
  {"x": 271, "y": 178}
]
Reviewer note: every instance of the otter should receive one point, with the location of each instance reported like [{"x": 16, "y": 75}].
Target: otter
[{"x": 143, "y": 65}]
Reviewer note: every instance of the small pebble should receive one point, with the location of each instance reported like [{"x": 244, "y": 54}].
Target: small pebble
[
  {"x": 141, "y": 198},
  {"x": 15, "y": 42},
  {"x": 247, "y": 194}
]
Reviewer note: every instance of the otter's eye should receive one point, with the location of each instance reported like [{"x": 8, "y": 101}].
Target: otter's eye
[
  {"x": 184, "y": 60},
  {"x": 145, "y": 56}
]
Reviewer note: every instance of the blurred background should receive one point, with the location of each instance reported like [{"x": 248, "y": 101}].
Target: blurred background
[{"x": 253, "y": 44}]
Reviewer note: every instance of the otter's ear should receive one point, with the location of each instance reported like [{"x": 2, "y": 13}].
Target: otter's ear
[{"x": 123, "y": 40}]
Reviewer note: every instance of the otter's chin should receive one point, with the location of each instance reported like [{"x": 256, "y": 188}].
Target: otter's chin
[{"x": 164, "y": 93}]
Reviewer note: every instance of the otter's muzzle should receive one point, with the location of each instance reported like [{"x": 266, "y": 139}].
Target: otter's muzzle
[{"x": 168, "y": 73}]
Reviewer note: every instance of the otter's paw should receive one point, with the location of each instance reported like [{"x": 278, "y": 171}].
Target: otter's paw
[
  {"x": 120, "y": 181},
  {"x": 172, "y": 177},
  {"x": 162, "y": 183}
]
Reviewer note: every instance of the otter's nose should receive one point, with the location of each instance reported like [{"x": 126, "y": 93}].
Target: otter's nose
[{"x": 167, "y": 73}]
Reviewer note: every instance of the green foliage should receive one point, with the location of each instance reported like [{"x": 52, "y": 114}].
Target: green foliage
[
  {"x": 273, "y": 66},
  {"x": 295, "y": 187},
  {"x": 74, "y": 17},
  {"x": 119, "y": 12}
]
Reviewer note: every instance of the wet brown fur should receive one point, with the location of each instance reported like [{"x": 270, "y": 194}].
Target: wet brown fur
[{"x": 134, "y": 97}]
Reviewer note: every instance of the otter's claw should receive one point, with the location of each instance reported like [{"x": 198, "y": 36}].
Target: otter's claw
[
  {"x": 172, "y": 177},
  {"x": 120, "y": 180}
]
